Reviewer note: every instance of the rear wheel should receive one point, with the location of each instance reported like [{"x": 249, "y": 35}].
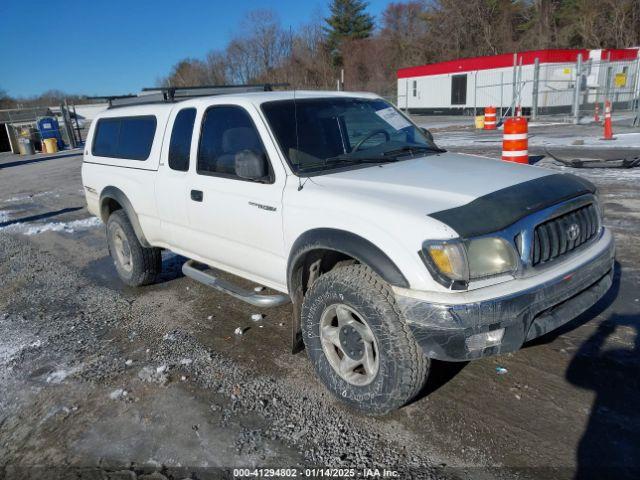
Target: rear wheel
[
  {"x": 359, "y": 343},
  {"x": 135, "y": 264}
]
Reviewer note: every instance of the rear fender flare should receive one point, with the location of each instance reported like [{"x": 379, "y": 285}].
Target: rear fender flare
[{"x": 117, "y": 195}]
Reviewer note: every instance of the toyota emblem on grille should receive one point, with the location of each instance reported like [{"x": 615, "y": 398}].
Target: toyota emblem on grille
[{"x": 573, "y": 231}]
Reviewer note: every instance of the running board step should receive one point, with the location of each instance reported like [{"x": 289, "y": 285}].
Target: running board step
[{"x": 190, "y": 270}]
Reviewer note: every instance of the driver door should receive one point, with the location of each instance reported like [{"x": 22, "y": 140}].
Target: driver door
[{"x": 236, "y": 224}]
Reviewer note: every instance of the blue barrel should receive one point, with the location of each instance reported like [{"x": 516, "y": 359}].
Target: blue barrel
[{"x": 49, "y": 128}]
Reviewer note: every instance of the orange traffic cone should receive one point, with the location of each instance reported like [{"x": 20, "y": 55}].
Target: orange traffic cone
[{"x": 608, "y": 130}]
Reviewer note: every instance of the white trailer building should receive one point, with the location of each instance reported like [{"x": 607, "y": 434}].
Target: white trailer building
[{"x": 544, "y": 79}]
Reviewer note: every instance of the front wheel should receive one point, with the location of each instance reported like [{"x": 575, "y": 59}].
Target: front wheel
[
  {"x": 135, "y": 264},
  {"x": 359, "y": 344}
]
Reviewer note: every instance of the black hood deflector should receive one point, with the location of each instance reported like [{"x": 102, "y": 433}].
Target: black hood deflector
[{"x": 497, "y": 210}]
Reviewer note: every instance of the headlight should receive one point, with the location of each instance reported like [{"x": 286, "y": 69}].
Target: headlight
[
  {"x": 455, "y": 263},
  {"x": 490, "y": 256}
]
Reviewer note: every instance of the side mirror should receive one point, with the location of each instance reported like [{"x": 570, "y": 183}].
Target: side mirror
[
  {"x": 251, "y": 165},
  {"x": 427, "y": 134}
]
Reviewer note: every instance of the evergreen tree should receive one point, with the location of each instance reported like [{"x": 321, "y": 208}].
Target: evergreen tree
[{"x": 348, "y": 21}]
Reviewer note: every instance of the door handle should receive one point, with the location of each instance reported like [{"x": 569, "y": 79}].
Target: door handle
[{"x": 196, "y": 195}]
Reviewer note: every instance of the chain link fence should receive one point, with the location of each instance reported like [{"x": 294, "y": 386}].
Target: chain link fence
[{"x": 572, "y": 90}]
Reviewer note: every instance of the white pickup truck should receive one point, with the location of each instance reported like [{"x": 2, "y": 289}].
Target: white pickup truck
[{"x": 391, "y": 250}]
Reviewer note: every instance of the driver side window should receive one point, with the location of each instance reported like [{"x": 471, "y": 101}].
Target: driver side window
[{"x": 227, "y": 130}]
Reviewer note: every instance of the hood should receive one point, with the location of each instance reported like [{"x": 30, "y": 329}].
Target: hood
[
  {"x": 432, "y": 183},
  {"x": 472, "y": 195}
]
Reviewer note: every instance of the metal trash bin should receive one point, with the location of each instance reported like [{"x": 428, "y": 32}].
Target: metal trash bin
[{"x": 25, "y": 146}]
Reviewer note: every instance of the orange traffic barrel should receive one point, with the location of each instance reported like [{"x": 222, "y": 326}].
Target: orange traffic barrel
[
  {"x": 515, "y": 146},
  {"x": 489, "y": 118}
]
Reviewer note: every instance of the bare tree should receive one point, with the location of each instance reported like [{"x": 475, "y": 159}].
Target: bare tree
[
  {"x": 310, "y": 63},
  {"x": 412, "y": 32},
  {"x": 5, "y": 100},
  {"x": 187, "y": 73},
  {"x": 217, "y": 67},
  {"x": 405, "y": 33}
]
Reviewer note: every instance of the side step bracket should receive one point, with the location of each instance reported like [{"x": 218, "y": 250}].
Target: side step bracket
[{"x": 191, "y": 270}]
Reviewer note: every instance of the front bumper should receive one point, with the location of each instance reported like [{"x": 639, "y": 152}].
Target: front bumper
[{"x": 442, "y": 329}]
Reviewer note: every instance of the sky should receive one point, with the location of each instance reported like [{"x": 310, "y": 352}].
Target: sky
[{"x": 112, "y": 47}]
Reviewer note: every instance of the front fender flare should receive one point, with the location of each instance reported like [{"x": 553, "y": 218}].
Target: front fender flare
[
  {"x": 340, "y": 241},
  {"x": 346, "y": 243}
]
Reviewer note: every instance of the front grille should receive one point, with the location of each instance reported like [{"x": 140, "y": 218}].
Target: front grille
[{"x": 561, "y": 235}]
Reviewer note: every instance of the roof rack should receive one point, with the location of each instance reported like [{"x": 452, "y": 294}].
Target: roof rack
[
  {"x": 174, "y": 94},
  {"x": 111, "y": 98}
]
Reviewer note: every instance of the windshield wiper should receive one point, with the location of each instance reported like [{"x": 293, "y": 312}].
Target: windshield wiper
[
  {"x": 341, "y": 159},
  {"x": 333, "y": 161},
  {"x": 411, "y": 150}
]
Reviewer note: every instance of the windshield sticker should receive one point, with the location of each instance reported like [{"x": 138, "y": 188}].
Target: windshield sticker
[{"x": 393, "y": 118}]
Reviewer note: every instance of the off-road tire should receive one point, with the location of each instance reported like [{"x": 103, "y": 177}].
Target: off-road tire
[
  {"x": 403, "y": 367},
  {"x": 146, "y": 263}
]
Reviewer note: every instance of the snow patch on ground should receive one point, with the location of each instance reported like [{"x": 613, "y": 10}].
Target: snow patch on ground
[
  {"x": 5, "y": 215},
  {"x": 68, "y": 227},
  {"x": 17, "y": 335},
  {"x": 26, "y": 197},
  {"x": 461, "y": 139},
  {"x": 57, "y": 377}
]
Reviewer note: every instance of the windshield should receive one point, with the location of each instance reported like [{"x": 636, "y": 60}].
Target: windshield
[{"x": 333, "y": 132}]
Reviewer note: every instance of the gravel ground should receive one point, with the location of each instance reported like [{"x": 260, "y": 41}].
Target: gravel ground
[{"x": 103, "y": 381}]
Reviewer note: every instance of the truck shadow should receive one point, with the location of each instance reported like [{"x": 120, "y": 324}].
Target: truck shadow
[
  {"x": 610, "y": 445},
  {"x": 40, "y": 216},
  {"x": 103, "y": 272},
  {"x": 440, "y": 374},
  {"x": 20, "y": 163}
]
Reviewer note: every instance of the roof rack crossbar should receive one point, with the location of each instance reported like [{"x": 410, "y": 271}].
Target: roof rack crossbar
[
  {"x": 110, "y": 98},
  {"x": 267, "y": 87},
  {"x": 172, "y": 94}
]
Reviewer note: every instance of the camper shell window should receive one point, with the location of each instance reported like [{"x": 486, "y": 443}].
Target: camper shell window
[{"x": 128, "y": 138}]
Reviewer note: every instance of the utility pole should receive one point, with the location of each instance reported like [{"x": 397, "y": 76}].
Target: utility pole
[
  {"x": 576, "y": 90},
  {"x": 534, "y": 93},
  {"x": 475, "y": 93},
  {"x": 607, "y": 82},
  {"x": 513, "y": 83},
  {"x": 67, "y": 123},
  {"x": 636, "y": 96},
  {"x": 501, "y": 94},
  {"x": 75, "y": 114},
  {"x": 406, "y": 95}
]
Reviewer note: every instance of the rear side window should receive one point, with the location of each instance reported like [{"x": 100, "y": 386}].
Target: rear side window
[
  {"x": 124, "y": 137},
  {"x": 180, "y": 144}
]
